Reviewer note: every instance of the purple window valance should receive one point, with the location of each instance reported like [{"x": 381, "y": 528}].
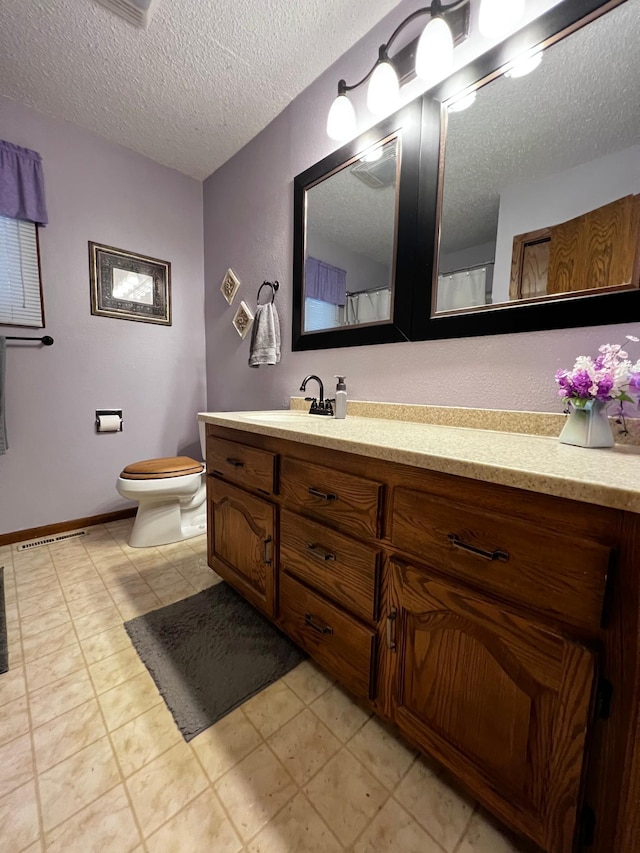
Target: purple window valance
[
  {"x": 21, "y": 184},
  {"x": 325, "y": 282}
]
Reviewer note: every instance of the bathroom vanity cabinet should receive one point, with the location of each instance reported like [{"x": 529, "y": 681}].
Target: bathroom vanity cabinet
[{"x": 497, "y": 628}]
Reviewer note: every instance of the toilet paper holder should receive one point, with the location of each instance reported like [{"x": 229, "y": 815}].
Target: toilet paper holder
[{"x": 106, "y": 413}]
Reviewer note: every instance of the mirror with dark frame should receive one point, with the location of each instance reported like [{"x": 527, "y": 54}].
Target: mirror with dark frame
[
  {"x": 539, "y": 192},
  {"x": 355, "y": 231}
]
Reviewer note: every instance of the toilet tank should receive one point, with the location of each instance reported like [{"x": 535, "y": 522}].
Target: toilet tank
[{"x": 202, "y": 429}]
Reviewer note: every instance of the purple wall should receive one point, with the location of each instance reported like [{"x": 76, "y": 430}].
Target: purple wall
[
  {"x": 248, "y": 222},
  {"x": 57, "y": 468}
]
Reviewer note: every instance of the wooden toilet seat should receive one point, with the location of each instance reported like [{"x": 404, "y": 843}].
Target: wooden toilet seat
[{"x": 158, "y": 469}]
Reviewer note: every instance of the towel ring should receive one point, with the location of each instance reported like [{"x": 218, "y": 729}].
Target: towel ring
[{"x": 274, "y": 285}]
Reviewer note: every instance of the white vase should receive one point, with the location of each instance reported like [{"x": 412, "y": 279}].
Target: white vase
[{"x": 588, "y": 426}]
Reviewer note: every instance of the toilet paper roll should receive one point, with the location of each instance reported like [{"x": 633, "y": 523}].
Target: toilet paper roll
[{"x": 108, "y": 423}]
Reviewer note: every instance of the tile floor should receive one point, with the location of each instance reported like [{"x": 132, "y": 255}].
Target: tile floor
[{"x": 91, "y": 759}]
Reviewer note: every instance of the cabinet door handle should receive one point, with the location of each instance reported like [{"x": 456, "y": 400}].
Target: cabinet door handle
[
  {"x": 321, "y": 629},
  {"x": 265, "y": 555},
  {"x": 319, "y": 553},
  {"x": 237, "y": 463},
  {"x": 326, "y": 496},
  {"x": 479, "y": 552},
  {"x": 391, "y": 618}
]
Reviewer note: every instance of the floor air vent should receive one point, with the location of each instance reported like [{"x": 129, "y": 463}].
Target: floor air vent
[{"x": 37, "y": 543}]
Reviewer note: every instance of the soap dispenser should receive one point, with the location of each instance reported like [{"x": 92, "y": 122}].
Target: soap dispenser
[{"x": 341, "y": 397}]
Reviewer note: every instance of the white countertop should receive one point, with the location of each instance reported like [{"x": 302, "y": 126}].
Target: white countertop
[{"x": 608, "y": 477}]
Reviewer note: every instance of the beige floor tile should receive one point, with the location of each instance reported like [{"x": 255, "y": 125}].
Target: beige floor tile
[
  {"x": 129, "y": 589},
  {"x": 129, "y": 700},
  {"x": 382, "y": 751},
  {"x": 138, "y": 605},
  {"x": 44, "y": 585},
  {"x": 16, "y": 761},
  {"x": 120, "y": 576},
  {"x": 204, "y": 823},
  {"x": 14, "y": 720},
  {"x": 304, "y": 745},
  {"x": 254, "y": 790},
  {"x": 341, "y": 713},
  {"x": 57, "y": 698},
  {"x": 32, "y": 625},
  {"x": 77, "y": 781},
  {"x": 106, "y": 824},
  {"x": 82, "y": 589},
  {"x": 91, "y": 604},
  {"x": 19, "y": 826},
  {"x": 144, "y": 738},
  {"x": 347, "y": 796},
  {"x": 203, "y": 580},
  {"x": 176, "y": 592},
  {"x": 308, "y": 681},
  {"x": 443, "y": 812},
  {"x": 78, "y": 574},
  {"x": 67, "y": 734},
  {"x": 96, "y": 623},
  {"x": 46, "y": 642},
  {"x": 101, "y": 646},
  {"x": 484, "y": 836},
  {"x": 52, "y": 667},
  {"x": 32, "y": 559},
  {"x": 224, "y": 744},
  {"x": 296, "y": 829},
  {"x": 37, "y": 604},
  {"x": 162, "y": 788},
  {"x": 394, "y": 829},
  {"x": 162, "y": 578},
  {"x": 12, "y": 685},
  {"x": 272, "y": 708},
  {"x": 116, "y": 669}
]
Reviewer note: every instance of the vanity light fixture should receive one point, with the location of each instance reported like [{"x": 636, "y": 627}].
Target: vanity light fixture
[
  {"x": 433, "y": 62},
  {"x": 498, "y": 18}
]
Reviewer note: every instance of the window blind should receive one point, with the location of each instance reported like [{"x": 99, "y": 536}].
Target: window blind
[{"x": 20, "y": 297}]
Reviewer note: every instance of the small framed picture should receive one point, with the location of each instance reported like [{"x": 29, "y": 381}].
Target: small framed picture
[
  {"x": 127, "y": 286},
  {"x": 243, "y": 319},
  {"x": 230, "y": 285}
]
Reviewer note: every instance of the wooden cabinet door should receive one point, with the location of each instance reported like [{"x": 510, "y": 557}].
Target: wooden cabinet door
[
  {"x": 242, "y": 542},
  {"x": 502, "y": 702}
]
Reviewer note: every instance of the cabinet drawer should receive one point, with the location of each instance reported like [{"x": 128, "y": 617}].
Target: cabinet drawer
[
  {"x": 561, "y": 575},
  {"x": 339, "y": 643},
  {"x": 239, "y": 463},
  {"x": 344, "y": 500},
  {"x": 339, "y": 567}
]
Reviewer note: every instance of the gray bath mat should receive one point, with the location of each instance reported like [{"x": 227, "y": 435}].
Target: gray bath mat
[
  {"x": 209, "y": 653},
  {"x": 4, "y": 648}
]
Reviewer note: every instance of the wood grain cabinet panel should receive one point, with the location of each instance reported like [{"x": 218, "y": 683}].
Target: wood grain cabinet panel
[
  {"x": 336, "y": 640},
  {"x": 499, "y": 700},
  {"x": 343, "y": 569},
  {"x": 242, "y": 542},
  {"x": 346, "y": 501},
  {"x": 247, "y": 466},
  {"x": 560, "y": 575}
]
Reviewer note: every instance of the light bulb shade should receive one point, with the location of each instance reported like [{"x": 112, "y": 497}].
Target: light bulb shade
[
  {"x": 341, "y": 121},
  {"x": 434, "y": 56},
  {"x": 383, "y": 93},
  {"x": 525, "y": 64},
  {"x": 499, "y": 17}
]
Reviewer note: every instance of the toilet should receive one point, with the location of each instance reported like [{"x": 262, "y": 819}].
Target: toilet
[{"x": 171, "y": 496}]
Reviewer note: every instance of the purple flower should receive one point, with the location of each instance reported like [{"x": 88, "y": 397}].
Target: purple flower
[
  {"x": 582, "y": 383},
  {"x": 634, "y": 382},
  {"x": 605, "y": 384}
]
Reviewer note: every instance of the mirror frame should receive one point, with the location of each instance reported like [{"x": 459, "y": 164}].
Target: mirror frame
[
  {"x": 591, "y": 309},
  {"x": 414, "y": 122}
]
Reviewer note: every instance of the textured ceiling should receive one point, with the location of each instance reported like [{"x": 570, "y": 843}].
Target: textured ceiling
[
  {"x": 191, "y": 90},
  {"x": 581, "y": 103}
]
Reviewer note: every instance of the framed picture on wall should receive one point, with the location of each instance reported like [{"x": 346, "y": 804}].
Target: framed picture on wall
[{"x": 128, "y": 286}]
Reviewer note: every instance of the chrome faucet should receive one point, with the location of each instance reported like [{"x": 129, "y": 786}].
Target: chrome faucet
[{"x": 318, "y": 406}]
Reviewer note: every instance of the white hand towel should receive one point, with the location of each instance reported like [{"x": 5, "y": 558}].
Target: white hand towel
[{"x": 265, "y": 336}]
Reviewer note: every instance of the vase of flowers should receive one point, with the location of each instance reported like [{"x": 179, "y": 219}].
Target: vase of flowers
[{"x": 590, "y": 387}]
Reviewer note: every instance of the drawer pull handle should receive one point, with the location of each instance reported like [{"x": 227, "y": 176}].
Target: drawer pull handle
[
  {"x": 321, "y": 629},
  {"x": 237, "y": 463},
  {"x": 265, "y": 555},
  {"x": 326, "y": 496},
  {"x": 319, "y": 553},
  {"x": 479, "y": 552},
  {"x": 391, "y": 618}
]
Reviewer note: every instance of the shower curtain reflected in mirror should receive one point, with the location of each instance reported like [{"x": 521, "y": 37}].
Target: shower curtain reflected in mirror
[{"x": 369, "y": 306}]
